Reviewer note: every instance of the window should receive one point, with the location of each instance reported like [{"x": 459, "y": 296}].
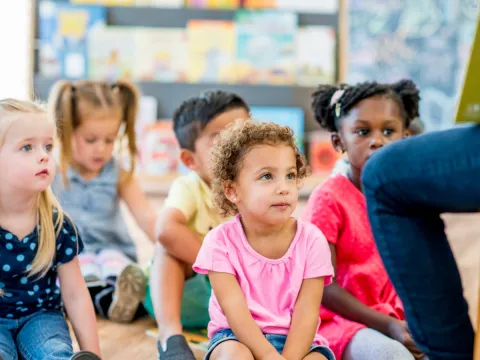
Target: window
[{"x": 16, "y": 55}]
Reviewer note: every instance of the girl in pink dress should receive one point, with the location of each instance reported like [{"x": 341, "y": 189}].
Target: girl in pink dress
[
  {"x": 362, "y": 316},
  {"x": 267, "y": 269}
]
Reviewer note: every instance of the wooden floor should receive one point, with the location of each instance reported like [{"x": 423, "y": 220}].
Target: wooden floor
[{"x": 130, "y": 342}]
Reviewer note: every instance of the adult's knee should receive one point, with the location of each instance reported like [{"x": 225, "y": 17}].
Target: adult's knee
[{"x": 376, "y": 168}]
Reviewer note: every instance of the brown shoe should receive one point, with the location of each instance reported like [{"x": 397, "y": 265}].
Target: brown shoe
[{"x": 130, "y": 289}]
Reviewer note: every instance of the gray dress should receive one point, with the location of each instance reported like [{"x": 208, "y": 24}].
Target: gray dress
[{"x": 94, "y": 206}]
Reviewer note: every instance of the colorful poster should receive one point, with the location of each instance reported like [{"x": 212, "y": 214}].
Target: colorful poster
[
  {"x": 292, "y": 117},
  {"x": 164, "y": 55},
  {"x": 112, "y": 53},
  {"x": 211, "y": 52},
  {"x": 266, "y": 47},
  {"x": 316, "y": 55},
  {"x": 64, "y": 32},
  {"x": 213, "y": 4}
]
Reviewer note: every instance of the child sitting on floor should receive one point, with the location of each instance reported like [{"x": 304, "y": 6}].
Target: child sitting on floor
[
  {"x": 91, "y": 117},
  {"x": 177, "y": 295},
  {"x": 362, "y": 316},
  {"x": 268, "y": 270},
  {"x": 38, "y": 246}
]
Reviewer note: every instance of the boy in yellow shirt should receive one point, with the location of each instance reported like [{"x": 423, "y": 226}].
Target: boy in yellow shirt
[{"x": 177, "y": 296}]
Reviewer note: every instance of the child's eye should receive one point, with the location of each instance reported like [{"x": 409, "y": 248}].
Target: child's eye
[
  {"x": 362, "y": 132},
  {"x": 110, "y": 141},
  {"x": 49, "y": 147},
  {"x": 90, "y": 140},
  {"x": 266, "y": 177},
  {"x": 388, "y": 132},
  {"x": 27, "y": 148},
  {"x": 291, "y": 176}
]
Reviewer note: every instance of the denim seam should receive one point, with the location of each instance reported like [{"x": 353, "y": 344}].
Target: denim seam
[{"x": 388, "y": 254}]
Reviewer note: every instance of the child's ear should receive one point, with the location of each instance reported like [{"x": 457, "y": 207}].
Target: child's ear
[
  {"x": 188, "y": 159},
  {"x": 337, "y": 143},
  {"x": 230, "y": 191}
]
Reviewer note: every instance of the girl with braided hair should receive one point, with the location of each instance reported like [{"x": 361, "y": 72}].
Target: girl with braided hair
[{"x": 361, "y": 316}]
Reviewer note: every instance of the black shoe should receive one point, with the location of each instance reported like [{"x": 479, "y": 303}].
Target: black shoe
[
  {"x": 84, "y": 355},
  {"x": 177, "y": 349}
]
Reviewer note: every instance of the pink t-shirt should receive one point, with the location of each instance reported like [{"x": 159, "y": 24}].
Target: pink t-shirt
[{"x": 270, "y": 286}]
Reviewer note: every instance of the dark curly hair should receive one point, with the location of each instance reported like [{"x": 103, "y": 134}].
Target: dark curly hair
[
  {"x": 328, "y": 110},
  {"x": 230, "y": 148}
]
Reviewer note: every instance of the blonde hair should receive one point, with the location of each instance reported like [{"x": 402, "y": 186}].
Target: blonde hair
[
  {"x": 232, "y": 145},
  {"x": 70, "y": 102},
  {"x": 47, "y": 204}
]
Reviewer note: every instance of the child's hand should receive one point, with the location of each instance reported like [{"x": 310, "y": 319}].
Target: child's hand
[{"x": 398, "y": 330}]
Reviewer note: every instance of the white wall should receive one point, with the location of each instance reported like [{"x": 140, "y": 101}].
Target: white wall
[{"x": 16, "y": 57}]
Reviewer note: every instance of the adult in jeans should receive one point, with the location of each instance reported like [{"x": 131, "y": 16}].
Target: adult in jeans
[{"x": 408, "y": 185}]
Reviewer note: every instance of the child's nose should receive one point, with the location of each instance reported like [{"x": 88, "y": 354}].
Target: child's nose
[
  {"x": 376, "y": 141},
  {"x": 283, "y": 188},
  {"x": 43, "y": 157},
  {"x": 101, "y": 146}
]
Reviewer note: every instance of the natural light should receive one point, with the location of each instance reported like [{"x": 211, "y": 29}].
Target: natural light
[{"x": 16, "y": 53}]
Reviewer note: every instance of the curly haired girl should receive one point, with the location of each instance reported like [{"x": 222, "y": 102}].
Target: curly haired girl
[{"x": 267, "y": 269}]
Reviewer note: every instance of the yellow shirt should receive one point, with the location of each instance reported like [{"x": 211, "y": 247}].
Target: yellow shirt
[{"x": 192, "y": 196}]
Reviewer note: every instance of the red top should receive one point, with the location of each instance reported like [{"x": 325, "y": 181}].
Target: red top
[{"x": 339, "y": 209}]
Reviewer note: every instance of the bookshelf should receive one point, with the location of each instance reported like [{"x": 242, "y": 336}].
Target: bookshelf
[{"x": 169, "y": 95}]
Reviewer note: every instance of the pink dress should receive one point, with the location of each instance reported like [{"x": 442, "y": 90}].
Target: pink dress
[
  {"x": 270, "y": 286},
  {"x": 338, "y": 208}
]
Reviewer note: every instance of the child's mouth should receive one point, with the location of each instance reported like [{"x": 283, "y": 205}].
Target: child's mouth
[
  {"x": 43, "y": 173},
  {"x": 281, "y": 206}
]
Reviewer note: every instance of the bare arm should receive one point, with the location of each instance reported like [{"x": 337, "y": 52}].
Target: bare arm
[
  {"x": 78, "y": 305},
  {"x": 234, "y": 306},
  {"x": 348, "y": 306},
  {"x": 138, "y": 204},
  {"x": 176, "y": 237},
  {"x": 305, "y": 318}
]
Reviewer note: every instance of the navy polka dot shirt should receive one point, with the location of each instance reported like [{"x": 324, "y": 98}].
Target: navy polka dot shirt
[{"x": 26, "y": 295}]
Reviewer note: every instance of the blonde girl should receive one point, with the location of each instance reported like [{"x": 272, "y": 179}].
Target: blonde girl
[
  {"x": 38, "y": 244},
  {"x": 92, "y": 117},
  {"x": 267, "y": 269}
]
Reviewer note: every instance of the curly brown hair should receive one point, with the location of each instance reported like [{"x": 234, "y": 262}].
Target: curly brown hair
[{"x": 230, "y": 148}]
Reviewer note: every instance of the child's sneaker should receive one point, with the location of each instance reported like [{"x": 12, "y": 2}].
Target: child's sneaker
[
  {"x": 177, "y": 349},
  {"x": 130, "y": 289},
  {"x": 84, "y": 355}
]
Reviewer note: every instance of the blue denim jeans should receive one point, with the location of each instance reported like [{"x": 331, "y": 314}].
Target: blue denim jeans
[
  {"x": 278, "y": 342},
  {"x": 43, "y": 335},
  {"x": 408, "y": 185}
]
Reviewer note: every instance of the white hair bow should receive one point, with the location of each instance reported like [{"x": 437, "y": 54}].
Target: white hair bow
[
  {"x": 336, "y": 96},
  {"x": 335, "y": 100}
]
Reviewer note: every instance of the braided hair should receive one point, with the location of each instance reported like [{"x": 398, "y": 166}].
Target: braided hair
[{"x": 330, "y": 103}]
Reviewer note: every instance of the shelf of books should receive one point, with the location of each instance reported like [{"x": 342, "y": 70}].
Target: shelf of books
[{"x": 271, "y": 52}]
